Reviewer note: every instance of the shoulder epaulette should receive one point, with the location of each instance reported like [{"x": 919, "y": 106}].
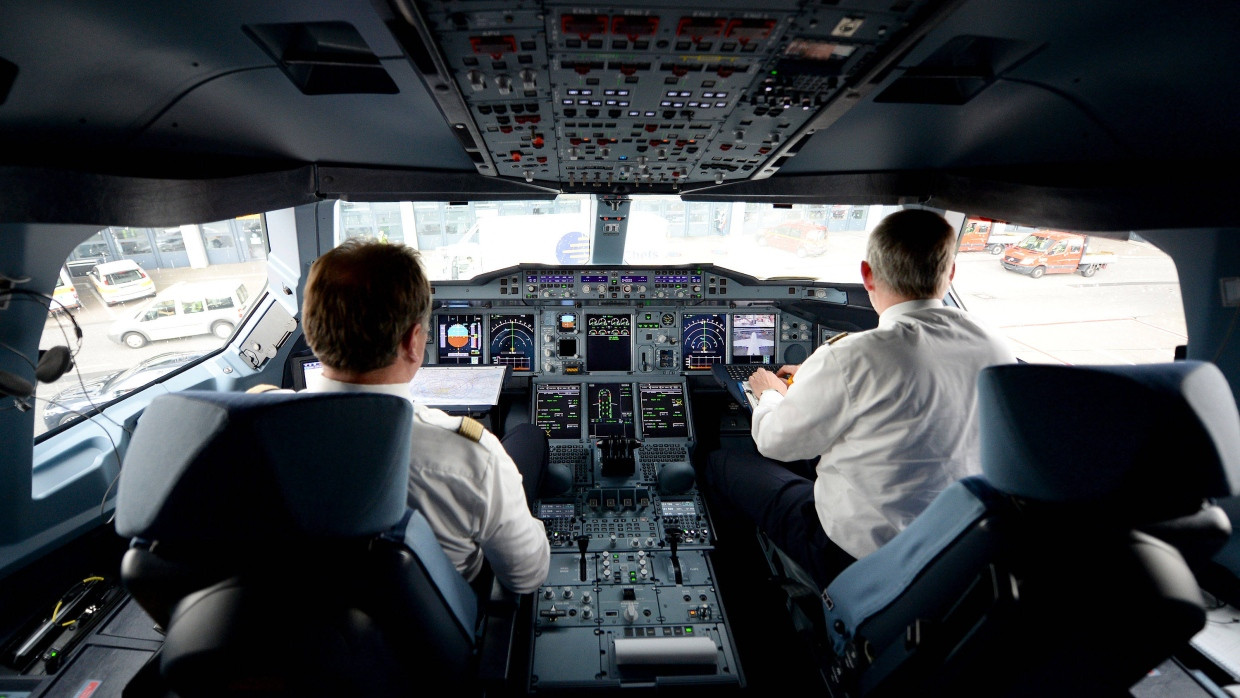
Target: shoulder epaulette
[
  {"x": 836, "y": 338},
  {"x": 471, "y": 429},
  {"x": 263, "y": 388}
]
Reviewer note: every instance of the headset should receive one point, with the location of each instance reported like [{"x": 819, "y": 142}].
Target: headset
[{"x": 52, "y": 364}]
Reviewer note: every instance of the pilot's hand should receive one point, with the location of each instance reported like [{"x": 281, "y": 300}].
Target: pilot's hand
[
  {"x": 788, "y": 371},
  {"x": 763, "y": 379}
]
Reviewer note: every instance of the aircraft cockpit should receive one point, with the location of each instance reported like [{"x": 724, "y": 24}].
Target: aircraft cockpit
[{"x": 624, "y": 211}]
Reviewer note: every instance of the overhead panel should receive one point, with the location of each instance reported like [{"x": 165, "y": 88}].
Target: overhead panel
[{"x": 599, "y": 97}]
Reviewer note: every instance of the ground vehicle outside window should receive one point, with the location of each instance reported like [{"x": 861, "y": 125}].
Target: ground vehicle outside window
[
  {"x": 65, "y": 295},
  {"x": 121, "y": 281},
  {"x": 992, "y": 236},
  {"x": 1051, "y": 252},
  {"x": 184, "y": 310},
  {"x": 800, "y": 237}
]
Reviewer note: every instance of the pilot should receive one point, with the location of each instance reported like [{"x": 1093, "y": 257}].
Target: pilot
[
  {"x": 890, "y": 413},
  {"x": 365, "y": 313}
]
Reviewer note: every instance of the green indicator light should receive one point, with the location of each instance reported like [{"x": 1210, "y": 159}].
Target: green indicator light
[{"x": 688, "y": 630}]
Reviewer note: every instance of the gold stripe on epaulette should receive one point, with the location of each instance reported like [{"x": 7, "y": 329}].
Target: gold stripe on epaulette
[
  {"x": 836, "y": 338},
  {"x": 263, "y": 388},
  {"x": 471, "y": 429}
]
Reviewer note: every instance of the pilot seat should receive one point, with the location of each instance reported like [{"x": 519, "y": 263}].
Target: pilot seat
[
  {"x": 1067, "y": 568},
  {"x": 272, "y": 542}
]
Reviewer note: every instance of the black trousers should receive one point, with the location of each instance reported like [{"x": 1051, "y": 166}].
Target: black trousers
[
  {"x": 779, "y": 499},
  {"x": 527, "y": 445}
]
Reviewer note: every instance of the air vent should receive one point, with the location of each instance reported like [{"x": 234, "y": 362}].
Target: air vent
[
  {"x": 324, "y": 58},
  {"x": 958, "y": 71}
]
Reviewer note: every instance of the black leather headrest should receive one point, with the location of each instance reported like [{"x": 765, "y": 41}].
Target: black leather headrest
[
  {"x": 207, "y": 466},
  {"x": 1147, "y": 442}
]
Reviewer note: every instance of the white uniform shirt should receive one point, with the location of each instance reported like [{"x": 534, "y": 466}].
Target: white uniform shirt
[
  {"x": 470, "y": 492},
  {"x": 893, "y": 413}
]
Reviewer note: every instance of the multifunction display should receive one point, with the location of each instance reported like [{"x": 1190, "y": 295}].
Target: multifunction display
[
  {"x": 609, "y": 342},
  {"x": 753, "y": 338},
  {"x": 557, "y": 410},
  {"x": 611, "y": 409},
  {"x": 663, "y": 410},
  {"x": 460, "y": 339}
]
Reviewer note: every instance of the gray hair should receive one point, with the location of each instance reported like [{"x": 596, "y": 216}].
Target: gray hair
[{"x": 911, "y": 252}]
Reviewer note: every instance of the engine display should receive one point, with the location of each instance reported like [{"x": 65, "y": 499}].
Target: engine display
[{"x": 609, "y": 342}]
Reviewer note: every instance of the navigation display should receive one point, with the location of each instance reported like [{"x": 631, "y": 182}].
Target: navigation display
[
  {"x": 460, "y": 339},
  {"x": 704, "y": 338},
  {"x": 753, "y": 338},
  {"x": 611, "y": 409},
  {"x": 557, "y": 410},
  {"x": 512, "y": 341},
  {"x": 663, "y": 410},
  {"x": 609, "y": 342},
  {"x": 458, "y": 386}
]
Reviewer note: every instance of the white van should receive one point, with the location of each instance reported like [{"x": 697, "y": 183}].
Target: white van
[{"x": 184, "y": 310}]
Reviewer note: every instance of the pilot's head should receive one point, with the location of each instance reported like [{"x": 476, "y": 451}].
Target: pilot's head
[
  {"x": 911, "y": 255},
  {"x": 366, "y": 305}
]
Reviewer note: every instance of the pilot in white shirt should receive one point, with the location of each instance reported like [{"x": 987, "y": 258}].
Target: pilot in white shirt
[
  {"x": 365, "y": 313},
  {"x": 470, "y": 491},
  {"x": 891, "y": 413}
]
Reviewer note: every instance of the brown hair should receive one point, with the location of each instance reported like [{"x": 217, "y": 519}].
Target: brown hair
[
  {"x": 911, "y": 252},
  {"x": 361, "y": 300}
]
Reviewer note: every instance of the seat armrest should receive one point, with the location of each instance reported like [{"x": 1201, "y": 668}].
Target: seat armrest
[{"x": 496, "y": 633}]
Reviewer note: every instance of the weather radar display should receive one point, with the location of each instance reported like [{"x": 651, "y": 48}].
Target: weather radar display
[
  {"x": 512, "y": 341},
  {"x": 704, "y": 338}
]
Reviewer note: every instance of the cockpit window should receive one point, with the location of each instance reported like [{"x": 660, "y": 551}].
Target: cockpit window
[
  {"x": 1069, "y": 298},
  {"x": 124, "y": 288},
  {"x": 462, "y": 240},
  {"x": 822, "y": 242},
  {"x": 1089, "y": 300}
]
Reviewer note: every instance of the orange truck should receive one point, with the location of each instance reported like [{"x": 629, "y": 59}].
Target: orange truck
[
  {"x": 1054, "y": 252},
  {"x": 992, "y": 236}
]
